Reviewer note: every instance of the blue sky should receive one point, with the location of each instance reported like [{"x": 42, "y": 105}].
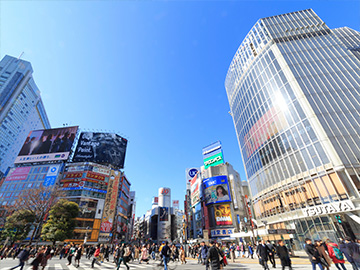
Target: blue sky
[{"x": 151, "y": 71}]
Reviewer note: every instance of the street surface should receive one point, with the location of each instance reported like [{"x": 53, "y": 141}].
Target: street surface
[{"x": 85, "y": 264}]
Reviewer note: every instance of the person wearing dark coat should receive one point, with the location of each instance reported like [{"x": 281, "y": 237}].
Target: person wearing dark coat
[
  {"x": 313, "y": 253},
  {"x": 213, "y": 256},
  {"x": 272, "y": 256},
  {"x": 263, "y": 252},
  {"x": 283, "y": 254},
  {"x": 353, "y": 251}
]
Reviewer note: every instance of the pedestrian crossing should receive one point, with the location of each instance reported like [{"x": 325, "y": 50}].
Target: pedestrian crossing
[{"x": 86, "y": 264}]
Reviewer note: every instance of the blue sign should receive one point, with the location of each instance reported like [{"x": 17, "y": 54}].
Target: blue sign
[
  {"x": 193, "y": 172},
  {"x": 51, "y": 175},
  {"x": 238, "y": 219},
  {"x": 245, "y": 219},
  {"x": 86, "y": 188},
  {"x": 211, "y": 149},
  {"x": 216, "y": 189}
]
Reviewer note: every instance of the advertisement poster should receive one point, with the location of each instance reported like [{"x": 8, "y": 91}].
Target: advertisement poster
[
  {"x": 213, "y": 155},
  {"x": 51, "y": 175},
  {"x": 216, "y": 189},
  {"x": 47, "y": 145},
  {"x": 222, "y": 215},
  {"x": 110, "y": 202},
  {"x": 164, "y": 214},
  {"x": 108, "y": 148},
  {"x": 195, "y": 190},
  {"x": 176, "y": 204}
]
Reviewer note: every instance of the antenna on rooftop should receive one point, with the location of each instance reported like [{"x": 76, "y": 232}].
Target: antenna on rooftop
[{"x": 20, "y": 56}]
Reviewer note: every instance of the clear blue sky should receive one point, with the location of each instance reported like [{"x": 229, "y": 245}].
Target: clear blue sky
[{"x": 152, "y": 71}]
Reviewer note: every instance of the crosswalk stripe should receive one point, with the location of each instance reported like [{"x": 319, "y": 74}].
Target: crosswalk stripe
[{"x": 58, "y": 266}]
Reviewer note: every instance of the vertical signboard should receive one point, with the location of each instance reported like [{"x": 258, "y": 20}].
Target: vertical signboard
[
  {"x": 110, "y": 202},
  {"x": 51, "y": 175},
  {"x": 176, "y": 204},
  {"x": 195, "y": 190}
]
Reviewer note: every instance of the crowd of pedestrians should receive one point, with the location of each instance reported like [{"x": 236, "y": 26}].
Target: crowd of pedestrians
[{"x": 322, "y": 254}]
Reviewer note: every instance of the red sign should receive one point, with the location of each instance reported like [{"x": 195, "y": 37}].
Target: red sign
[
  {"x": 73, "y": 175},
  {"x": 73, "y": 184},
  {"x": 106, "y": 226},
  {"x": 165, "y": 191},
  {"x": 95, "y": 176},
  {"x": 19, "y": 173}
]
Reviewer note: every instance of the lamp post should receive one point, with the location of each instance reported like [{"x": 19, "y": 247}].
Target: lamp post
[{"x": 86, "y": 235}]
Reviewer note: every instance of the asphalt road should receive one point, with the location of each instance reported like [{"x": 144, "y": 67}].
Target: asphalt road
[{"x": 56, "y": 264}]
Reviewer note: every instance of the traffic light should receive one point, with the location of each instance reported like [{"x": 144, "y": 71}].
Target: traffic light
[{"x": 338, "y": 218}]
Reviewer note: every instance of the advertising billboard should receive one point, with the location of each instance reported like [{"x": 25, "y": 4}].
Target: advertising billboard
[
  {"x": 164, "y": 214},
  {"x": 213, "y": 155},
  {"x": 107, "y": 148},
  {"x": 216, "y": 189},
  {"x": 47, "y": 145},
  {"x": 222, "y": 215},
  {"x": 18, "y": 174},
  {"x": 195, "y": 190}
]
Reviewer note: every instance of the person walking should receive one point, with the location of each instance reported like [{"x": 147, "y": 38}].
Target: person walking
[
  {"x": 283, "y": 254},
  {"x": 324, "y": 257},
  {"x": 78, "y": 254},
  {"x": 38, "y": 259},
  {"x": 313, "y": 254},
  {"x": 144, "y": 255},
  {"x": 213, "y": 256},
  {"x": 335, "y": 254},
  {"x": 203, "y": 252},
  {"x": 250, "y": 251},
  {"x": 23, "y": 257},
  {"x": 165, "y": 252},
  {"x": 71, "y": 253},
  {"x": 96, "y": 257},
  {"x": 273, "y": 251},
  {"x": 353, "y": 251},
  {"x": 122, "y": 252},
  {"x": 263, "y": 252},
  {"x": 182, "y": 255},
  {"x": 232, "y": 252}
]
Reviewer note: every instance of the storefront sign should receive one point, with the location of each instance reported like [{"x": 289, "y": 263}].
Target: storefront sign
[
  {"x": 222, "y": 232},
  {"x": 282, "y": 231},
  {"x": 329, "y": 208}
]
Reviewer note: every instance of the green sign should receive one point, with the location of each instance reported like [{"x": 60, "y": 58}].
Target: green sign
[{"x": 214, "y": 160}]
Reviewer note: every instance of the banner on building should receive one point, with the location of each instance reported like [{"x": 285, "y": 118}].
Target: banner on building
[
  {"x": 176, "y": 204},
  {"x": 195, "y": 190},
  {"x": 222, "y": 215},
  {"x": 110, "y": 202},
  {"x": 216, "y": 189},
  {"x": 107, "y": 148},
  {"x": 47, "y": 145},
  {"x": 164, "y": 214}
]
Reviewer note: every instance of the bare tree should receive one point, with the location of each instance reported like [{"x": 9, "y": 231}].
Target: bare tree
[{"x": 38, "y": 201}]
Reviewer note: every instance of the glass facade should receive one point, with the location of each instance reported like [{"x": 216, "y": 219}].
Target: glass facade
[
  {"x": 293, "y": 88},
  {"x": 21, "y": 108}
]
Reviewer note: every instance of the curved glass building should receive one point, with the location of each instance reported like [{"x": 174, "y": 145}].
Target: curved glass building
[{"x": 294, "y": 92}]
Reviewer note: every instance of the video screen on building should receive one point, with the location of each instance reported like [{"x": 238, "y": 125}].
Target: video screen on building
[
  {"x": 222, "y": 214},
  {"x": 105, "y": 148},
  {"x": 47, "y": 145},
  {"x": 216, "y": 189}
]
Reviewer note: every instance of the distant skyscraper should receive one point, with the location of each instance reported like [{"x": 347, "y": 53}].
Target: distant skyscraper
[
  {"x": 294, "y": 93},
  {"x": 21, "y": 108}
]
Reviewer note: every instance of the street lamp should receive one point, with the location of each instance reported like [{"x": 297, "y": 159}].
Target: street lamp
[{"x": 86, "y": 235}]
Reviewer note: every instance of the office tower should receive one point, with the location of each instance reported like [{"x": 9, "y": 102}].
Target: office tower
[
  {"x": 294, "y": 92},
  {"x": 21, "y": 108}
]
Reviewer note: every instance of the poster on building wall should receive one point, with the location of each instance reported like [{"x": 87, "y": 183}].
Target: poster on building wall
[
  {"x": 164, "y": 214},
  {"x": 110, "y": 202},
  {"x": 18, "y": 174},
  {"x": 216, "y": 189},
  {"x": 222, "y": 214},
  {"x": 47, "y": 145}
]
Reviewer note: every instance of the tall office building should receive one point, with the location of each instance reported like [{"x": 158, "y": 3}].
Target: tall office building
[
  {"x": 21, "y": 108},
  {"x": 294, "y": 92}
]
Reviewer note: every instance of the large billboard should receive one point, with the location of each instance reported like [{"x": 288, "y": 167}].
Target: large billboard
[
  {"x": 222, "y": 215},
  {"x": 213, "y": 155},
  {"x": 47, "y": 145},
  {"x": 107, "y": 148},
  {"x": 216, "y": 189}
]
